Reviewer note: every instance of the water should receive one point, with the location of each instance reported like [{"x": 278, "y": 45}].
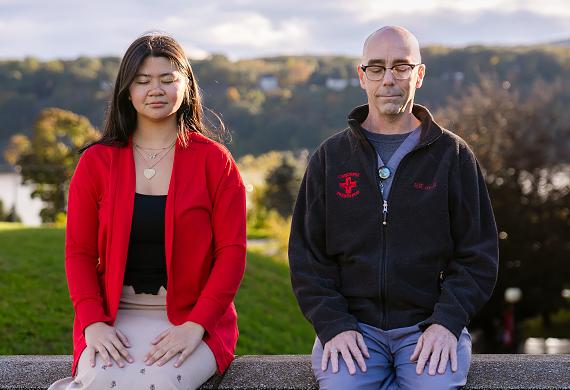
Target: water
[{"x": 11, "y": 189}]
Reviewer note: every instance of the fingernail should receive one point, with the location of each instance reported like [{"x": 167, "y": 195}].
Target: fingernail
[{"x": 130, "y": 360}]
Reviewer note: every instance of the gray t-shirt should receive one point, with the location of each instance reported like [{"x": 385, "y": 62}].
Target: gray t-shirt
[
  {"x": 385, "y": 144},
  {"x": 392, "y": 145}
]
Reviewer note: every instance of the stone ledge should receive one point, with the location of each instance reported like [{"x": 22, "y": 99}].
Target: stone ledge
[{"x": 488, "y": 372}]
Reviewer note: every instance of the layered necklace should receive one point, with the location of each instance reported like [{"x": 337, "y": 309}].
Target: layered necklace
[{"x": 152, "y": 156}]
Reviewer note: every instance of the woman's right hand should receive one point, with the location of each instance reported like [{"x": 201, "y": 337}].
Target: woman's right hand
[{"x": 109, "y": 342}]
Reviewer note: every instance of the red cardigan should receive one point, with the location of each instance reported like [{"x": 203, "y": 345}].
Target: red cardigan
[{"x": 205, "y": 239}]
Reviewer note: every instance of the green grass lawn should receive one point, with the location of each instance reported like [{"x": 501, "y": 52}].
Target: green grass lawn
[{"x": 36, "y": 314}]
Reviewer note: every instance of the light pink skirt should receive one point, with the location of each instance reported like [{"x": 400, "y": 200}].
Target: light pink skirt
[{"x": 141, "y": 317}]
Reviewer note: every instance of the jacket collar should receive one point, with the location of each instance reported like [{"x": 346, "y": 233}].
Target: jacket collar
[{"x": 429, "y": 133}]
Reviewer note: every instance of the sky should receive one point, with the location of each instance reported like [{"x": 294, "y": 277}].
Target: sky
[{"x": 256, "y": 28}]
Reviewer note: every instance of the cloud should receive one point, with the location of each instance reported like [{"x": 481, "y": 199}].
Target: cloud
[
  {"x": 258, "y": 32},
  {"x": 487, "y": 27},
  {"x": 250, "y": 28}
]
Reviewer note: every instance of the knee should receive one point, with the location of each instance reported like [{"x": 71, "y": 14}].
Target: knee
[
  {"x": 342, "y": 380},
  {"x": 98, "y": 378},
  {"x": 448, "y": 381},
  {"x": 338, "y": 382}
]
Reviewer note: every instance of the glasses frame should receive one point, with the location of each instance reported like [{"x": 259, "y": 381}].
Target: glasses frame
[{"x": 391, "y": 68}]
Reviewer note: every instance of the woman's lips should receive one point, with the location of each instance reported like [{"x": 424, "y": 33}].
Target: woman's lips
[{"x": 156, "y": 104}]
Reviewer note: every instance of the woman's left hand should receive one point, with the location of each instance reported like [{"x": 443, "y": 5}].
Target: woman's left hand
[{"x": 183, "y": 339}]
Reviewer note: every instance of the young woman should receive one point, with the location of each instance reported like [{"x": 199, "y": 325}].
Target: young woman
[{"x": 155, "y": 239}]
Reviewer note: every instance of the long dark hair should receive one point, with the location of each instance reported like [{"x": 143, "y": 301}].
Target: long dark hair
[{"x": 121, "y": 118}]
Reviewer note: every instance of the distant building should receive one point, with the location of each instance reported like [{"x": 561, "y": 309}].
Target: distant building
[
  {"x": 458, "y": 78},
  {"x": 336, "y": 84},
  {"x": 268, "y": 83},
  {"x": 14, "y": 193},
  {"x": 105, "y": 85}
]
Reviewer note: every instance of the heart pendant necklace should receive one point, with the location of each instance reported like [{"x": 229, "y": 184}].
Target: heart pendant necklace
[{"x": 149, "y": 172}]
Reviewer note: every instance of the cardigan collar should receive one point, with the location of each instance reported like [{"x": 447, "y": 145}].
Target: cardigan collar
[{"x": 122, "y": 188}]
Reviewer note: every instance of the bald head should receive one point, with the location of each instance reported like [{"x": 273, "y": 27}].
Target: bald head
[{"x": 391, "y": 36}]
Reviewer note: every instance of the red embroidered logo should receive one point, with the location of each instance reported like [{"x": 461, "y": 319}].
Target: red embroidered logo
[
  {"x": 425, "y": 187},
  {"x": 348, "y": 184}
]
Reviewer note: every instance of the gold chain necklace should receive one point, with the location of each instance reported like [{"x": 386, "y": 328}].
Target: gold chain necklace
[
  {"x": 156, "y": 151},
  {"x": 149, "y": 171}
]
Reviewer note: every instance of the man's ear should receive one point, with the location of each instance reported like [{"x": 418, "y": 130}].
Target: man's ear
[
  {"x": 361, "y": 77},
  {"x": 421, "y": 75}
]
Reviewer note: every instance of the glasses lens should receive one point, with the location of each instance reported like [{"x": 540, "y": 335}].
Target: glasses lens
[
  {"x": 375, "y": 72},
  {"x": 402, "y": 72}
]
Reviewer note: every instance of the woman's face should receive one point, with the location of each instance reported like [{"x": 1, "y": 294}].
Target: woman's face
[{"x": 157, "y": 90}]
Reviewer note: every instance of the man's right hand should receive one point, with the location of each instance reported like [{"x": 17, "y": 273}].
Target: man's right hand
[
  {"x": 109, "y": 342},
  {"x": 350, "y": 344}
]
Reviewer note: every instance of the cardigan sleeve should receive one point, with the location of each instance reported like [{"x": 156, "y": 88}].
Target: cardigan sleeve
[
  {"x": 81, "y": 253},
  {"x": 229, "y": 235}
]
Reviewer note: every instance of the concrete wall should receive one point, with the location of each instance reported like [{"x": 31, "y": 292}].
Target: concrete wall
[{"x": 294, "y": 372}]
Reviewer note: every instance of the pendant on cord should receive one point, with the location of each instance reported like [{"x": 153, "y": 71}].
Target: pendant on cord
[{"x": 384, "y": 172}]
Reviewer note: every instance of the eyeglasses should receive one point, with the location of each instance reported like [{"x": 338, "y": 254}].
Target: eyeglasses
[{"x": 377, "y": 72}]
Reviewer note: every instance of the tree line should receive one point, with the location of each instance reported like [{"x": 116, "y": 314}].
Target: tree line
[{"x": 299, "y": 113}]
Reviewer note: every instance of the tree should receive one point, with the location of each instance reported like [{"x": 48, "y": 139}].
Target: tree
[
  {"x": 282, "y": 186},
  {"x": 523, "y": 147},
  {"x": 296, "y": 71},
  {"x": 49, "y": 158},
  {"x": 2, "y": 212},
  {"x": 12, "y": 216}
]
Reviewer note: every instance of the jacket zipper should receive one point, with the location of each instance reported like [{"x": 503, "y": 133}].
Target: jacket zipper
[
  {"x": 384, "y": 218},
  {"x": 384, "y": 266}
]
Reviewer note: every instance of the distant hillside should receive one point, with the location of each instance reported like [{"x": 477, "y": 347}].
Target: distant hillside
[
  {"x": 277, "y": 103},
  {"x": 565, "y": 42}
]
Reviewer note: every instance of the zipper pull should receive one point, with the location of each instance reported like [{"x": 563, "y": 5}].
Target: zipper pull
[{"x": 385, "y": 212}]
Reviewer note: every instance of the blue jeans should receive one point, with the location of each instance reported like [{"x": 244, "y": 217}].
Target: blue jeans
[{"x": 389, "y": 366}]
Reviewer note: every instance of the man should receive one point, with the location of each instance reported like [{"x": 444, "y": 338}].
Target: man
[{"x": 393, "y": 243}]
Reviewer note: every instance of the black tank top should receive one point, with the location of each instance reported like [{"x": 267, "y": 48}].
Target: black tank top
[{"x": 146, "y": 262}]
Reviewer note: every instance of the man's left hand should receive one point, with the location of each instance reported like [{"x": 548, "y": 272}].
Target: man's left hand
[{"x": 441, "y": 345}]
